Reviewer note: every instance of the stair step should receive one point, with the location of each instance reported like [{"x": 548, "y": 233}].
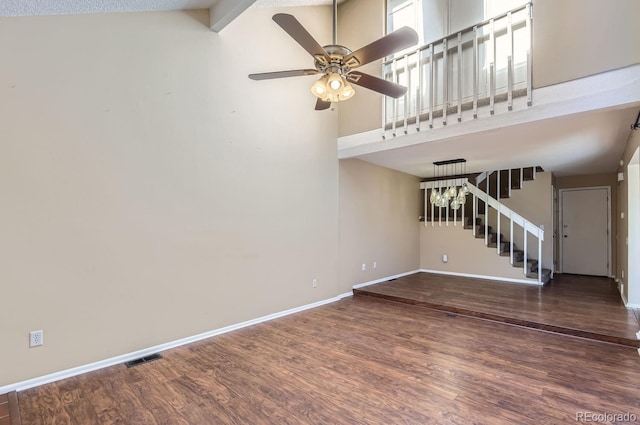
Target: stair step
[
  {"x": 546, "y": 275},
  {"x": 493, "y": 185},
  {"x": 493, "y": 240},
  {"x": 504, "y": 247},
  {"x": 528, "y": 174},
  {"x": 504, "y": 184},
  {"x": 531, "y": 265},
  {"x": 515, "y": 179},
  {"x": 480, "y": 228},
  {"x": 469, "y": 222},
  {"x": 518, "y": 255}
]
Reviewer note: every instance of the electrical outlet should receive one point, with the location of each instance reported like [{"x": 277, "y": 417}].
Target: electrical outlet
[
  {"x": 375, "y": 264},
  {"x": 364, "y": 267},
  {"x": 36, "y": 338},
  {"x": 314, "y": 282}
]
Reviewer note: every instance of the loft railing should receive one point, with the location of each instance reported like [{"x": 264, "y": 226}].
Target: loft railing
[
  {"x": 489, "y": 202},
  {"x": 487, "y": 63}
]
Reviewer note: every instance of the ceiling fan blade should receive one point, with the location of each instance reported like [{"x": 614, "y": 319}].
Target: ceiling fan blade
[
  {"x": 394, "y": 42},
  {"x": 283, "y": 74},
  {"x": 295, "y": 29},
  {"x": 321, "y": 105},
  {"x": 379, "y": 85}
]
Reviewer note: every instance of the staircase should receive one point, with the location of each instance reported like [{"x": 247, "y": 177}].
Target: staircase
[
  {"x": 484, "y": 199},
  {"x": 504, "y": 250}
]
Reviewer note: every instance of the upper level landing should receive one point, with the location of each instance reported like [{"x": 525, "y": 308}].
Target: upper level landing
[{"x": 567, "y": 128}]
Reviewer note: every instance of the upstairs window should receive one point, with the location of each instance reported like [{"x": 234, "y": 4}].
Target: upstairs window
[{"x": 434, "y": 19}]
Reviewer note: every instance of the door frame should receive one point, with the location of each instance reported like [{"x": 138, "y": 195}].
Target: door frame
[{"x": 561, "y": 223}]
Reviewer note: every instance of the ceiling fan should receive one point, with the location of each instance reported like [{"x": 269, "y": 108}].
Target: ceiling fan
[{"x": 337, "y": 63}]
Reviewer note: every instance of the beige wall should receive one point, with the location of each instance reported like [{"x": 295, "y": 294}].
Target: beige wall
[
  {"x": 535, "y": 203},
  {"x": 624, "y": 260},
  {"x": 379, "y": 211},
  {"x": 466, "y": 254},
  {"x": 361, "y": 22},
  {"x": 150, "y": 190},
  {"x": 577, "y": 38},
  {"x": 596, "y": 180}
]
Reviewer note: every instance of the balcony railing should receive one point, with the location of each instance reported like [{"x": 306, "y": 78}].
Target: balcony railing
[{"x": 462, "y": 74}]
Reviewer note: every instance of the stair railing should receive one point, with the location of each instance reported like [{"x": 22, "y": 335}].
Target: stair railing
[
  {"x": 513, "y": 217},
  {"x": 486, "y": 63}
]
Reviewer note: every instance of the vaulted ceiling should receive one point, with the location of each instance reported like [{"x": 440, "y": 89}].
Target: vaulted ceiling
[
  {"x": 580, "y": 144},
  {"x": 65, "y": 7}
]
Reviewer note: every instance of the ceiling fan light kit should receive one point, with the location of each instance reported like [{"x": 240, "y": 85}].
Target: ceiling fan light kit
[
  {"x": 337, "y": 63},
  {"x": 332, "y": 88}
]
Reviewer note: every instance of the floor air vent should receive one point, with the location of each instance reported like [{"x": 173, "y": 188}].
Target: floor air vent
[{"x": 143, "y": 360}]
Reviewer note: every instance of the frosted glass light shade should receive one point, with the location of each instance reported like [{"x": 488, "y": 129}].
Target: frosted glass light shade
[{"x": 332, "y": 88}]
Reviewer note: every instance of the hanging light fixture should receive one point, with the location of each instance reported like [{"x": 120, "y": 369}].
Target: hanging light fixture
[
  {"x": 464, "y": 189},
  {"x": 451, "y": 195},
  {"x": 462, "y": 197},
  {"x": 452, "y": 192}
]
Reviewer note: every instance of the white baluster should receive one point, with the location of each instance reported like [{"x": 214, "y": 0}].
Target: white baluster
[
  {"x": 511, "y": 239},
  {"x": 525, "y": 249}
]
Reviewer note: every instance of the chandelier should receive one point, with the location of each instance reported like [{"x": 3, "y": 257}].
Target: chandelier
[{"x": 447, "y": 193}]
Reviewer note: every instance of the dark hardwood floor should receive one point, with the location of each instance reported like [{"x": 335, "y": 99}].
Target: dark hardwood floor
[
  {"x": 583, "y": 306},
  {"x": 9, "y": 412},
  {"x": 361, "y": 360},
  {"x": 4, "y": 410}
]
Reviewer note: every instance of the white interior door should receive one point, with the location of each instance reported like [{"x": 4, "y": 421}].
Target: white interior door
[{"x": 585, "y": 234}]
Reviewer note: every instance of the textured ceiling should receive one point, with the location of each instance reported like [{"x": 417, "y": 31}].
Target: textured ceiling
[{"x": 70, "y": 7}]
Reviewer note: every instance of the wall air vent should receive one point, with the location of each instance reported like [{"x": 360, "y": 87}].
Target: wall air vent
[{"x": 142, "y": 360}]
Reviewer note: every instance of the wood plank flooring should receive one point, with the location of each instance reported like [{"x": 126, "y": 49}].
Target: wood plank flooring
[
  {"x": 9, "y": 410},
  {"x": 361, "y": 360},
  {"x": 583, "y": 306},
  {"x": 4, "y": 410}
]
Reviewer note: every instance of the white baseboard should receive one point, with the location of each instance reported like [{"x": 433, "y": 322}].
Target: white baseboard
[
  {"x": 68, "y": 373},
  {"x": 624, "y": 299},
  {"x": 34, "y": 382},
  {"x": 384, "y": 279},
  {"x": 479, "y": 276}
]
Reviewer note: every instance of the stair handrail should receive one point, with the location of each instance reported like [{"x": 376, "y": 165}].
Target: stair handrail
[{"x": 481, "y": 177}]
